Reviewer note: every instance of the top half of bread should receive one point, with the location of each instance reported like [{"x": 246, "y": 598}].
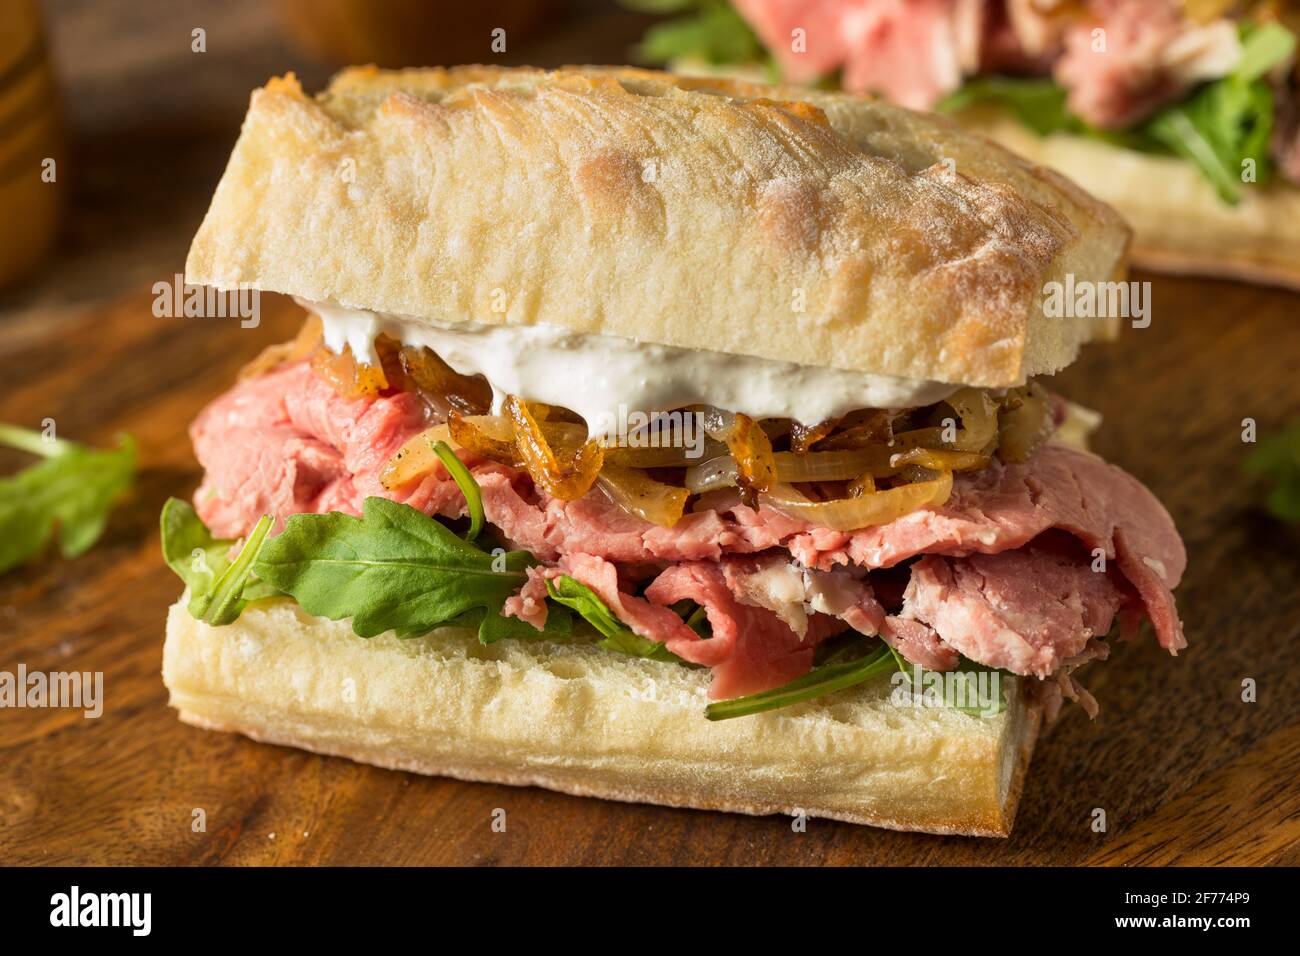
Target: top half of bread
[{"x": 819, "y": 228}]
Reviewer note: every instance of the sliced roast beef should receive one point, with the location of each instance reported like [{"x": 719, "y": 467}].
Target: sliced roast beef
[
  {"x": 652, "y": 621},
  {"x": 1004, "y": 507},
  {"x": 1026, "y": 611},
  {"x": 919, "y": 643},
  {"x": 285, "y": 443},
  {"x": 1132, "y": 56},
  {"x": 751, "y": 649},
  {"x": 529, "y": 603},
  {"x": 912, "y": 51},
  {"x": 773, "y": 586}
]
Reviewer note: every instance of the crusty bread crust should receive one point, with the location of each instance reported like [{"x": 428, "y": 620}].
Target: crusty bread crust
[
  {"x": 1180, "y": 224},
  {"x": 575, "y": 718},
  {"x": 794, "y": 225}
]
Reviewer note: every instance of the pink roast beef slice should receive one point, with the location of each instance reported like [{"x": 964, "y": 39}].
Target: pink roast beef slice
[
  {"x": 1116, "y": 86},
  {"x": 751, "y": 649},
  {"x": 1026, "y": 611},
  {"x": 286, "y": 443},
  {"x": 912, "y": 51}
]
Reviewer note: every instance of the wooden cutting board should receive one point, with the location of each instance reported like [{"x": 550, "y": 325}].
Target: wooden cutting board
[{"x": 1184, "y": 769}]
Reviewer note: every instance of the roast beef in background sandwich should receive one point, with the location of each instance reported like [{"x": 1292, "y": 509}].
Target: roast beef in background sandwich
[
  {"x": 678, "y": 441},
  {"x": 1183, "y": 114}
]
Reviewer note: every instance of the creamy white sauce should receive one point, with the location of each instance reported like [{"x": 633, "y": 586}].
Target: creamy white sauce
[{"x": 604, "y": 378}]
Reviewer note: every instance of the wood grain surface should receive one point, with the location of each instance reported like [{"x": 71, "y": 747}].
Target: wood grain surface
[{"x": 1186, "y": 772}]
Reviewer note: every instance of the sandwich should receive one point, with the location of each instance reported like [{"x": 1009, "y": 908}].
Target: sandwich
[
  {"x": 665, "y": 440},
  {"x": 1182, "y": 114}
]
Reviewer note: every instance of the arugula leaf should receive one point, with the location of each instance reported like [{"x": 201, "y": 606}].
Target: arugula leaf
[
  {"x": 1277, "y": 458},
  {"x": 73, "y": 489},
  {"x": 1230, "y": 120},
  {"x": 226, "y": 599},
  {"x": 1217, "y": 127},
  {"x": 467, "y": 485},
  {"x": 661, "y": 7},
  {"x": 694, "y": 616},
  {"x": 217, "y": 595},
  {"x": 497, "y": 627},
  {"x": 825, "y": 679},
  {"x": 618, "y": 636},
  {"x": 969, "y": 672},
  {"x": 710, "y": 30},
  {"x": 393, "y": 568},
  {"x": 1038, "y": 103},
  {"x": 1263, "y": 47},
  {"x": 189, "y": 548}
]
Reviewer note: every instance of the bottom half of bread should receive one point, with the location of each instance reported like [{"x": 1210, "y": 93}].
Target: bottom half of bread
[{"x": 579, "y": 719}]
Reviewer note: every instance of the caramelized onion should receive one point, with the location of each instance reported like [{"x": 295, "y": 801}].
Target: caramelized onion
[
  {"x": 1025, "y": 422},
  {"x": 748, "y": 444},
  {"x": 664, "y": 457},
  {"x": 719, "y": 472},
  {"x": 939, "y": 460},
  {"x": 860, "y": 431},
  {"x": 978, "y": 419},
  {"x": 803, "y": 437},
  {"x": 300, "y": 347},
  {"x": 867, "y": 510},
  {"x": 491, "y": 436},
  {"x": 722, "y": 471},
  {"x": 864, "y": 484},
  {"x": 666, "y": 442},
  {"x": 833, "y": 465},
  {"x": 640, "y": 494},
  {"x": 568, "y": 476},
  {"x": 445, "y": 388},
  {"x": 415, "y": 459},
  {"x": 350, "y": 378}
]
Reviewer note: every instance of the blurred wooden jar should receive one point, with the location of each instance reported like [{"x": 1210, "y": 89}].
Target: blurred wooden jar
[
  {"x": 31, "y": 142},
  {"x": 397, "y": 33}
]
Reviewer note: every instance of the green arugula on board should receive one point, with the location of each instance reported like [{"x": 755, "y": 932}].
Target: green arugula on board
[
  {"x": 1277, "y": 458},
  {"x": 1217, "y": 128},
  {"x": 72, "y": 489}
]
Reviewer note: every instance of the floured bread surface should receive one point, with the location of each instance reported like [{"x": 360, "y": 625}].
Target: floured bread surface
[
  {"x": 818, "y": 228},
  {"x": 579, "y": 719}
]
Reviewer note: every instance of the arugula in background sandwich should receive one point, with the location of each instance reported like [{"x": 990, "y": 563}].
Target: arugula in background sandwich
[
  {"x": 1218, "y": 127},
  {"x": 1277, "y": 458},
  {"x": 1230, "y": 120},
  {"x": 1038, "y": 103},
  {"x": 73, "y": 489}
]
